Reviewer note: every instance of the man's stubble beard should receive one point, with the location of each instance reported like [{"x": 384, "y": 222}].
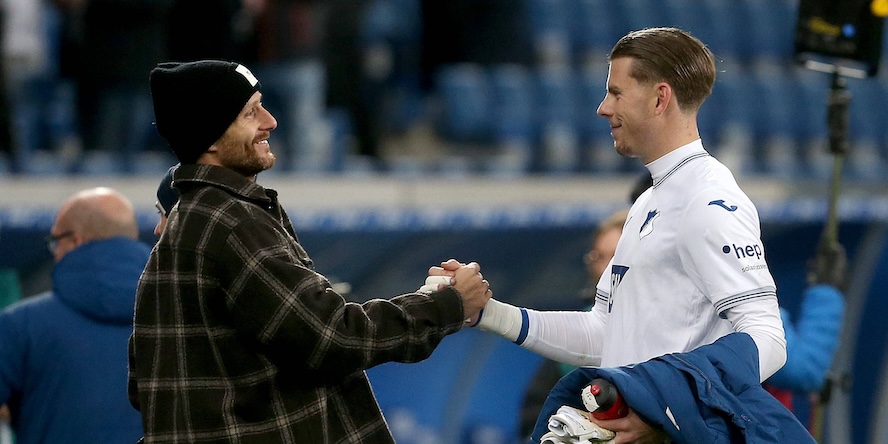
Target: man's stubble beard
[{"x": 243, "y": 158}]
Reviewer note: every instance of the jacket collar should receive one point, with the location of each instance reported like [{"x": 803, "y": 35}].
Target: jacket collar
[{"x": 192, "y": 175}]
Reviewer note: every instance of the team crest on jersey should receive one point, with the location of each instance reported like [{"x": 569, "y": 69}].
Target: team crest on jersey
[
  {"x": 648, "y": 225},
  {"x": 617, "y": 273}
]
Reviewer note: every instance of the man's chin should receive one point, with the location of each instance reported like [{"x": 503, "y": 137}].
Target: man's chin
[{"x": 623, "y": 150}]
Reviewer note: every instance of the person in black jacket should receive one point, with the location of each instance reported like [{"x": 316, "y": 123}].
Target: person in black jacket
[{"x": 236, "y": 336}]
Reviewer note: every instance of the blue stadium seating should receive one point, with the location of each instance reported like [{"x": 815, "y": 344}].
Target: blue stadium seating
[
  {"x": 739, "y": 98},
  {"x": 690, "y": 16},
  {"x": 867, "y": 130},
  {"x": 421, "y": 400},
  {"x": 469, "y": 391},
  {"x": 502, "y": 106},
  {"x": 724, "y": 20},
  {"x": 637, "y": 14},
  {"x": 497, "y": 395},
  {"x": 512, "y": 103},
  {"x": 550, "y": 26},
  {"x": 464, "y": 95},
  {"x": 557, "y": 119},
  {"x": 594, "y": 30},
  {"x": 769, "y": 30}
]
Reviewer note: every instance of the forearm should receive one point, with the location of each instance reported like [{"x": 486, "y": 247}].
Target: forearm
[
  {"x": 299, "y": 320},
  {"x": 564, "y": 336},
  {"x": 761, "y": 320}
]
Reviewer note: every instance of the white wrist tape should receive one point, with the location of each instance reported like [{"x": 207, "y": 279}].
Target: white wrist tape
[
  {"x": 502, "y": 319},
  {"x": 432, "y": 283}
]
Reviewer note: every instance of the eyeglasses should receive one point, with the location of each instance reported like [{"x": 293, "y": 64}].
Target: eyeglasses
[{"x": 52, "y": 241}]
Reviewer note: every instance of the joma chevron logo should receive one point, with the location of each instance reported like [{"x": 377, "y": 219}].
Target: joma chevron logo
[{"x": 721, "y": 203}]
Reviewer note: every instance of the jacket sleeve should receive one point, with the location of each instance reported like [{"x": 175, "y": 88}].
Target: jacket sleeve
[
  {"x": 13, "y": 344},
  {"x": 710, "y": 394},
  {"x": 299, "y": 320}
]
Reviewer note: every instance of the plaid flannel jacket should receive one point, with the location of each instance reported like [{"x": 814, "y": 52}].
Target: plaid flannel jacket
[{"x": 238, "y": 340}]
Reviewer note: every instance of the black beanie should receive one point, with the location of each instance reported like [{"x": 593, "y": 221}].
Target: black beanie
[
  {"x": 195, "y": 102},
  {"x": 167, "y": 196}
]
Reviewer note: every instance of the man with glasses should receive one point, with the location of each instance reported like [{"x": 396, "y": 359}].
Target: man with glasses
[{"x": 63, "y": 361}]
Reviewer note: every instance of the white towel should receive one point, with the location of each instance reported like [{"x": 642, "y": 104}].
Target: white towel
[{"x": 571, "y": 425}]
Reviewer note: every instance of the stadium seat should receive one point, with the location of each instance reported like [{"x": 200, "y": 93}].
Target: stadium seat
[
  {"x": 724, "y": 22},
  {"x": 512, "y": 102},
  {"x": 813, "y": 89},
  {"x": 464, "y": 95},
  {"x": 782, "y": 120},
  {"x": 637, "y": 14},
  {"x": 690, "y": 16},
  {"x": 550, "y": 26},
  {"x": 514, "y": 129},
  {"x": 866, "y": 131},
  {"x": 736, "y": 98},
  {"x": 594, "y": 30},
  {"x": 424, "y": 402},
  {"x": 494, "y": 408},
  {"x": 556, "y": 101},
  {"x": 769, "y": 30}
]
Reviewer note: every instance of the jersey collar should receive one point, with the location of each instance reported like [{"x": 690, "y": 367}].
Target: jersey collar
[{"x": 663, "y": 167}]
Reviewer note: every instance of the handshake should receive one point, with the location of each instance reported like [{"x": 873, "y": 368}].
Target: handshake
[{"x": 466, "y": 279}]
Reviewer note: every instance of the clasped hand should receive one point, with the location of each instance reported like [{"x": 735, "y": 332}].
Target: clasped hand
[{"x": 469, "y": 282}]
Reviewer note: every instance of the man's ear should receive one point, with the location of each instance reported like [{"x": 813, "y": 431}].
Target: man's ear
[{"x": 664, "y": 97}]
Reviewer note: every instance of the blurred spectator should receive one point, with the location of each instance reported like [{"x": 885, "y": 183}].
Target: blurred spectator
[
  {"x": 27, "y": 71},
  {"x": 108, "y": 46},
  {"x": 293, "y": 82},
  {"x": 347, "y": 86},
  {"x": 486, "y": 32},
  {"x": 211, "y": 29},
  {"x": 5, "y": 431},
  {"x": 6, "y": 142},
  {"x": 63, "y": 353}
]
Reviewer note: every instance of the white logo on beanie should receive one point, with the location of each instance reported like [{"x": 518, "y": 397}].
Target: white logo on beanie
[{"x": 247, "y": 74}]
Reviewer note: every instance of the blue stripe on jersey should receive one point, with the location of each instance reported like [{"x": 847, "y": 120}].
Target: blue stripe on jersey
[
  {"x": 742, "y": 298},
  {"x": 525, "y": 326}
]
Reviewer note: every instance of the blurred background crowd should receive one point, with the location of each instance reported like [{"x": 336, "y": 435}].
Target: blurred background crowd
[{"x": 412, "y": 86}]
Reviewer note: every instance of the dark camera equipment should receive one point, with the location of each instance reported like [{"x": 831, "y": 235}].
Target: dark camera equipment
[
  {"x": 842, "y": 38},
  {"x": 840, "y": 35}
]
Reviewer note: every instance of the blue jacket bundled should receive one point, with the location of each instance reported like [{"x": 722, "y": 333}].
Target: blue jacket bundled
[
  {"x": 63, "y": 354},
  {"x": 711, "y": 394}
]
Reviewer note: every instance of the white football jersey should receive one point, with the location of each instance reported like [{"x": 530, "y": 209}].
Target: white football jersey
[{"x": 691, "y": 248}]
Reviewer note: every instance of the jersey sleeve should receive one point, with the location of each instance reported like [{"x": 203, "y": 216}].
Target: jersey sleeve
[
  {"x": 571, "y": 337},
  {"x": 722, "y": 249}
]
